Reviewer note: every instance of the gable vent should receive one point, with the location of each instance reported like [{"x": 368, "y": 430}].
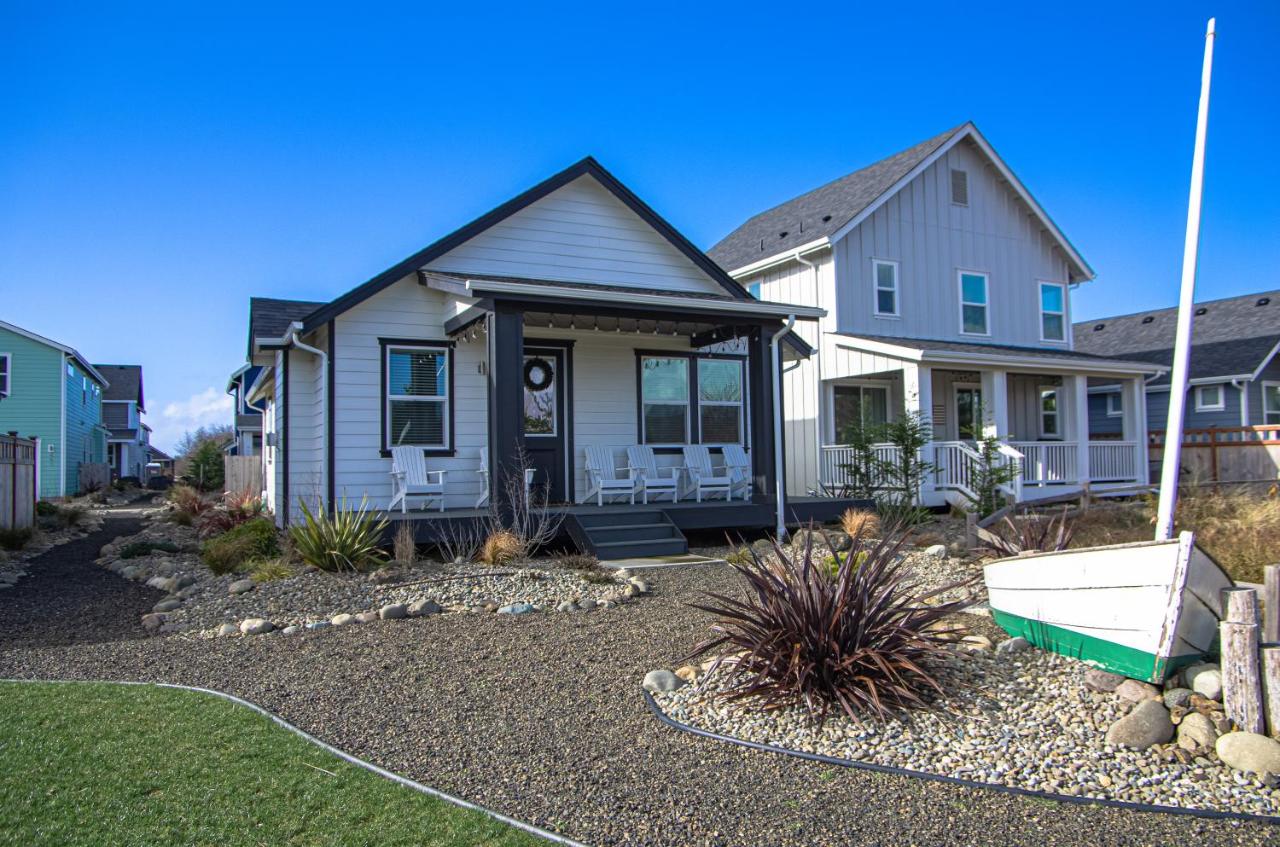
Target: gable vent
[
  {"x": 959, "y": 187},
  {"x": 1262, "y": 301},
  {"x": 1148, "y": 319},
  {"x": 1202, "y": 311},
  {"x": 1098, "y": 327}
]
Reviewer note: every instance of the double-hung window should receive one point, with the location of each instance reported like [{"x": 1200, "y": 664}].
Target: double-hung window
[
  {"x": 1271, "y": 403},
  {"x": 417, "y": 396},
  {"x": 664, "y": 400},
  {"x": 5, "y": 378},
  {"x": 885, "y": 274},
  {"x": 1209, "y": 398},
  {"x": 1115, "y": 404},
  {"x": 1050, "y": 425},
  {"x": 1053, "y": 312},
  {"x": 720, "y": 401},
  {"x": 973, "y": 304}
]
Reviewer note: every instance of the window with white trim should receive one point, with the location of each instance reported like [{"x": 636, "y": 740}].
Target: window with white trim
[
  {"x": 416, "y": 394},
  {"x": 973, "y": 303},
  {"x": 885, "y": 274},
  {"x": 664, "y": 400},
  {"x": 1115, "y": 404},
  {"x": 1053, "y": 311},
  {"x": 1210, "y": 398},
  {"x": 853, "y": 406},
  {"x": 754, "y": 290},
  {"x": 5, "y": 378},
  {"x": 1271, "y": 403},
  {"x": 1050, "y": 417},
  {"x": 720, "y": 394}
]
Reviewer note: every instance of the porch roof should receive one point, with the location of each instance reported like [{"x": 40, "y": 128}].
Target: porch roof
[{"x": 978, "y": 354}]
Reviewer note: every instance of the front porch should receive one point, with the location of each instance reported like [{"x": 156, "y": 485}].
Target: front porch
[{"x": 1040, "y": 416}]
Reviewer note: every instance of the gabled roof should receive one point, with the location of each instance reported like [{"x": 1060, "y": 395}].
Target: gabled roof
[
  {"x": 589, "y": 165},
  {"x": 126, "y": 383},
  {"x": 158, "y": 455},
  {"x": 70, "y": 351},
  {"x": 825, "y": 214},
  {"x": 270, "y": 317}
]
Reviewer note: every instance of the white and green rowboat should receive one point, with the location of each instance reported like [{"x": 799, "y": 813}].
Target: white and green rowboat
[{"x": 1143, "y": 610}]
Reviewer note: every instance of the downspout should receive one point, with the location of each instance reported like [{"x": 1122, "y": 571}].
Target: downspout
[
  {"x": 819, "y": 414},
  {"x": 775, "y": 370},
  {"x": 1243, "y": 387},
  {"x": 291, "y": 338}
]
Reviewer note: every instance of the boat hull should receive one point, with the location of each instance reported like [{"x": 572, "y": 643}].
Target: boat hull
[{"x": 1140, "y": 610}]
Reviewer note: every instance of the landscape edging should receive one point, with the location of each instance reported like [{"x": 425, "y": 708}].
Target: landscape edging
[
  {"x": 1212, "y": 814},
  {"x": 345, "y": 756}
]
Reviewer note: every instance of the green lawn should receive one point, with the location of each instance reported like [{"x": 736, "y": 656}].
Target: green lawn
[{"x": 100, "y": 764}]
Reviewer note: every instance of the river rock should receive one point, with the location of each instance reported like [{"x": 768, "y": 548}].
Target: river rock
[
  {"x": 567, "y": 606},
  {"x": 241, "y": 586},
  {"x": 661, "y": 680},
  {"x": 1147, "y": 724},
  {"x": 227, "y": 629},
  {"x": 1250, "y": 752},
  {"x": 1205, "y": 680},
  {"x": 166, "y": 605},
  {"x": 152, "y": 622},
  {"x": 1135, "y": 691},
  {"x": 936, "y": 551},
  {"x": 586, "y": 604},
  {"x": 1013, "y": 645},
  {"x": 1177, "y": 698},
  {"x": 1096, "y": 679},
  {"x": 255, "y": 626},
  {"x": 343, "y": 619},
  {"x": 291, "y": 630},
  {"x": 1196, "y": 731},
  {"x": 393, "y": 612},
  {"x": 418, "y": 608},
  {"x": 515, "y": 609}
]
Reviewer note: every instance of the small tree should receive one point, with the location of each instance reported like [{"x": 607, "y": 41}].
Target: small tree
[
  {"x": 910, "y": 433},
  {"x": 992, "y": 471},
  {"x": 204, "y": 470},
  {"x": 862, "y": 473}
]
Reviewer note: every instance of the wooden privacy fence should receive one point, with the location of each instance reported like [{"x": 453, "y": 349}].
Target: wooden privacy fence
[
  {"x": 242, "y": 473},
  {"x": 1224, "y": 454},
  {"x": 17, "y": 482}
]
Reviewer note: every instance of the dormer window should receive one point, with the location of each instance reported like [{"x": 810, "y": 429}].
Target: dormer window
[{"x": 959, "y": 187}]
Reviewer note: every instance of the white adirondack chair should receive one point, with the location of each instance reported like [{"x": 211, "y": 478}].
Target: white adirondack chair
[
  {"x": 483, "y": 473},
  {"x": 602, "y": 477},
  {"x": 644, "y": 467},
  {"x": 702, "y": 476},
  {"x": 410, "y": 478},
  {"x": 739, "y": 467}
]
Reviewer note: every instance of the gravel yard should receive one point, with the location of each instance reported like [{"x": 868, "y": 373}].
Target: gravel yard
[
  {"x": 541, "y": 717},
  {"x": 1023, "y": 719}
]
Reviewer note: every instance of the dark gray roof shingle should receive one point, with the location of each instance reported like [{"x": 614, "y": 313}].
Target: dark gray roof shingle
[
  {"x": 270, "y": 317},
  {"x": 820, "y": 212},
  {"x": 126, "y": 383}
]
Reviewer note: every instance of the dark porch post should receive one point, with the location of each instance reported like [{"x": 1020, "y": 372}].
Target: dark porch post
[
  {"x": 506, "y": 396},
  {"x": 760, "y": 389}
]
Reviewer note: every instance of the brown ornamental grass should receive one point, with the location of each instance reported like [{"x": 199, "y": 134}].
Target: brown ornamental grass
[{"x": 858, "y": 643}]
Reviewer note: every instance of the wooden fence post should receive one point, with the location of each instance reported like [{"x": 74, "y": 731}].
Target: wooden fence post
[
  {"x": 1241, "y": 685},
  {"x": 1271, "y": 604},
  {"x": 1271, "y": 688},
  {"x": 971, "y": 531}
]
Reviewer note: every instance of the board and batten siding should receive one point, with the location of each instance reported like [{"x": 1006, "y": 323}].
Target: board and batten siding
[
  {"x": 795, "y": 282},
  {"x": 578, "y": 233},
  {"x": 931, "y": 239},
  {"x": 405, "y": 310}
]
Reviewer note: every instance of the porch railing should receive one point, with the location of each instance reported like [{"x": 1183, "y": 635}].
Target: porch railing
[
  {"x": 1113, "y": 461},
  {"x": 957, "y": 466},
  {"x": 837, "y": 458},
  {"x": 1048, "y": 462}
]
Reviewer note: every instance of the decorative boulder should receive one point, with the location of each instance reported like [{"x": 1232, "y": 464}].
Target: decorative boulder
[
  {"x": 241, "y": 586},
  {"x": 1196, "y": 731},
  {"x": 661, "y": 680},
  {"x": 1147, "y": 724},
  {"x": 342, "y": 619},
  {"x": 515, "y": 609},
  {"x": 255, "y": 626},
  {"x": 418, "y": 608},
  {"x": 1250, "y": 752},
  {"x": 366, "y": 617},
  {"x": 1096, "y": 679}
]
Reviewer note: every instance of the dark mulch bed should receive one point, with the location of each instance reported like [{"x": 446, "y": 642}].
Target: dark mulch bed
[
  {"x": 67, "y": 599},
  {"x": 541, "y": 717}
]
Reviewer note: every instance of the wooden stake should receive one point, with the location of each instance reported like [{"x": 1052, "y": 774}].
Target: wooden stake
[
  {"x": 1271, "y": 688},
  {"x": 971, "y": 531},
  {"x": 1240, "y": 605},
  {"x": 1271, "y": 604},
  {"x": 1241, "y": 686}
]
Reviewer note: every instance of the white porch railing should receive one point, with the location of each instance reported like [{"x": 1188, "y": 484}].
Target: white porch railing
[
  {"x": 957, "y": 465},
  {"x": 1048, "y": 462},
  {"x": 837, "y": 458},
  {"x": 1113, "y": 461}
]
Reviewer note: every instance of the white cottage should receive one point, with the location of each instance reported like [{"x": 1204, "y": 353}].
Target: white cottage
[{"x": 569, "y": 323}]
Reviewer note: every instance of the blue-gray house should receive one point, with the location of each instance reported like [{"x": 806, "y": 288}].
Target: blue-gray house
[{"x": 1234, "y": 375}]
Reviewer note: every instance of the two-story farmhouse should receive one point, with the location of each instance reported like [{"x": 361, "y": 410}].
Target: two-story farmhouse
[
  {"x": 246, "y": 417},
  {"x": 947, "y": 292},
  {"x": 1234, "y": 372},
  {"x": 123, "y": 405}
]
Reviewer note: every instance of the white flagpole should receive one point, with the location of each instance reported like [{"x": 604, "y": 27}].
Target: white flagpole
[{"x": 1186, "y": 304}]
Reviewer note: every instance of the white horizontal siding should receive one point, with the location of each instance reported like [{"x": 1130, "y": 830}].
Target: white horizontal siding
[{"x": 578, "y": 233}]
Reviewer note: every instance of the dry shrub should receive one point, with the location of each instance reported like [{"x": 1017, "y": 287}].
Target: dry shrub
[
  {"x": 858, "y": 644},
  {"x": 579, "y": 562},
  {"x": 860, "y": 523},
  {"x": 501, "y": 548},
  {"x": 188, "y": 503},
  {"x": 404, "y": 545}
]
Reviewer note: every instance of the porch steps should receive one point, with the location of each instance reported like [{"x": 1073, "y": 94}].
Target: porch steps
[{"x": 627, "y": 534}]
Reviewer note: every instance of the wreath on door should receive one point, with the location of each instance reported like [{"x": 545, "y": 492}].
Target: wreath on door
[{"x": 537, "y": 374}]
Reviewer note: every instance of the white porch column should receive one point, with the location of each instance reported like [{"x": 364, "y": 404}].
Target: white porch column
[
  {"x": 917, "y": 396},
  {"x": 1077, "y": 391},
  {"x": 1133, "y": 405},
  {"x": 995, "y": 402}
]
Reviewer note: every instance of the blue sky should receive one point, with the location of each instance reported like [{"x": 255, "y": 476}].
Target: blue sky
[{"x": 159, "y": 166}]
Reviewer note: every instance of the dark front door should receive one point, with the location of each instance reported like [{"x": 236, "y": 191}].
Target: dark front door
[{"x": 546, "y": 421}]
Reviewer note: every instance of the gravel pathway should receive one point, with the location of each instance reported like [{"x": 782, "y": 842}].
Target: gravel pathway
[
  {"x": 541, "y": 717},
  {"x": 67, "y": 599}
]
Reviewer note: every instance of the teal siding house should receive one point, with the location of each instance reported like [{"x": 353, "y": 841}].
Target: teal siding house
[{"x": 48, "y": 390}]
